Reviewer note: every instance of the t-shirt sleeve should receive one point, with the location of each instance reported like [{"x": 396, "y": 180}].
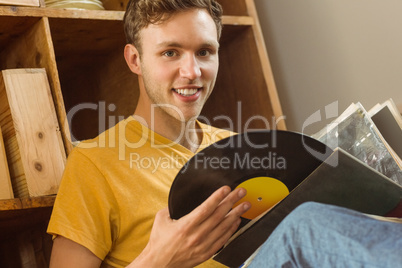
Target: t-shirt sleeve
[{"x": 85, "y": 210}]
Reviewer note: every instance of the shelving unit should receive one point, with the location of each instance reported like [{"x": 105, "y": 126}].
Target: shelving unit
[{"x": 92, "y": 88}]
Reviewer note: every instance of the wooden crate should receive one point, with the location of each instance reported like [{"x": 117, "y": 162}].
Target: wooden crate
[{"x": 31, "y": 132}]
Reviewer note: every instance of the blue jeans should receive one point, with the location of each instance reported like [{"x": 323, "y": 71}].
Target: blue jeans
[{"x": 317, "y": 235}]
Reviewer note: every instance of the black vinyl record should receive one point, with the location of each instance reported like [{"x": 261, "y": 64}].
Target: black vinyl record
[{"x": 283, "y": 155}]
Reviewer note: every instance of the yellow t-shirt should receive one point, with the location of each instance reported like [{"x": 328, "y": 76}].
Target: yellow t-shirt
[{"x": 114, "y": 185}]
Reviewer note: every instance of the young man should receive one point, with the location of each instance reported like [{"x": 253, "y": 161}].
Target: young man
[{"x": 111, "y": 205}]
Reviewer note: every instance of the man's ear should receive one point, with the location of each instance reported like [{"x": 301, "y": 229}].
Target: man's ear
[{"x": 132, "y": 57}]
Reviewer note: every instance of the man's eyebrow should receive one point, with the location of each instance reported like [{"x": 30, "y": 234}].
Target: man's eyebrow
[
  {"x": 178, "y": 45},
  {"x": 169, "y": 44},
  {"x": 211, "y": 44}
]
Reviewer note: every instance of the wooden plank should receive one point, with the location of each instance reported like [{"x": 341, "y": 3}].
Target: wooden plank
[
  {"x": 38, "y": 202},
  {"x": 6, "y": 190},
  {"x": 33, "y": 3},
  {"x": 27, "y": 203},
  {"x": 10, "y": 204},
  {"x": 34, "y": 140}
]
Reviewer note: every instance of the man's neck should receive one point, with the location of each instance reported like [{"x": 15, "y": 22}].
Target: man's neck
[{"x": 187, "y": 134}]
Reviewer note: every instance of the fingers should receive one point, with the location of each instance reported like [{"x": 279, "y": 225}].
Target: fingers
[
  {"x": 227, "y": 204},
  {"x": 230, "y": 223},
  {"x": 224, "y": 211},
  {"x": 216, "y": 213},
  {"x": 219, "y": 204},
  {"x": 226, "y": 226}
]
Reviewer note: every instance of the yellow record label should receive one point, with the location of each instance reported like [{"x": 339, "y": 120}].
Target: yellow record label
[{"x": 262, "y": 193}]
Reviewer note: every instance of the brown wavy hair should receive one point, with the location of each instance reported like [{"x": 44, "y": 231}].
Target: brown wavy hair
[{"x": 140, "y": 13}]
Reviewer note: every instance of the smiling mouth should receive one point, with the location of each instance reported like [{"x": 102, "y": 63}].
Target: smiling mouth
[{"x": 187, "y": 92}]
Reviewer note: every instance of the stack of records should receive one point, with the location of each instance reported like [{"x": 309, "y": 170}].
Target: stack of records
[{"x": 75, "y": 4}]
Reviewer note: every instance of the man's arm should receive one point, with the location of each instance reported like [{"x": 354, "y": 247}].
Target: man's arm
[
  {"x": 67, "y": 253},
  {"x": 183, "y": 243}
]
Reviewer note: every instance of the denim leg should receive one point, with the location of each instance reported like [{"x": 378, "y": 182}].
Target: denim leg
[{"x": 317, "y": 235}]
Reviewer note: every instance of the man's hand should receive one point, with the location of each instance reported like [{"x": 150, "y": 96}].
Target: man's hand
[{"x": 195, "y": 237}]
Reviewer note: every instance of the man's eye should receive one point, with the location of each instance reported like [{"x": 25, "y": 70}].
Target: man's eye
[
  {"x": 169, "y": 53},
  {"x": 204, "y": 53}
]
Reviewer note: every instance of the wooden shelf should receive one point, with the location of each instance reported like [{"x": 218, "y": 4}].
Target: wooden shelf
[{"x": 26, "y": 203}]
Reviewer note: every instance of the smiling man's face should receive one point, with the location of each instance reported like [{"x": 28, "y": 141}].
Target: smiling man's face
[{"x": 179, "y": 64}]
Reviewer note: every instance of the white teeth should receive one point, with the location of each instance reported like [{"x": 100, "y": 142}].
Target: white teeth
[{"x": 187, "y": 91}]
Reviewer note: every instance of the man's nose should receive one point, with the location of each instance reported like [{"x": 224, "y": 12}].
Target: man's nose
[{"x": 190, "y": 67}]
